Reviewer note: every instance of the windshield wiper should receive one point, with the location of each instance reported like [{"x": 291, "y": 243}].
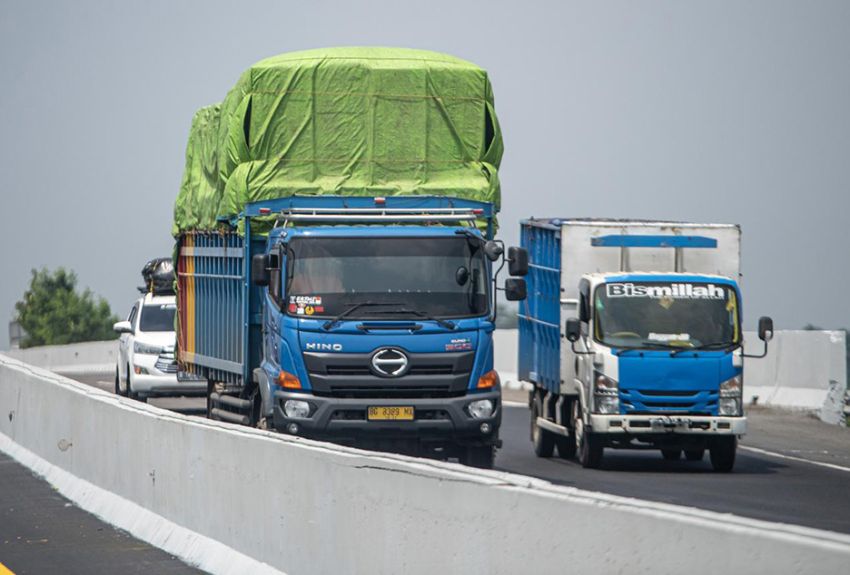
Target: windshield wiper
[
  {"x": 649, "y": 345},
  {"x": 707, "y": 346},
  {"x": 441, "y": 322},
  {"x": 351, "y": 309}
]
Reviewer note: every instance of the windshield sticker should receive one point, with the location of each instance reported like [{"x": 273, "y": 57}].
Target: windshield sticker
[
  {"x": 666, "y": 293},
  {"x": 305, "y": 304},
  {"x": 459, "y": 344},
  {"x": 668, "y": 337}
]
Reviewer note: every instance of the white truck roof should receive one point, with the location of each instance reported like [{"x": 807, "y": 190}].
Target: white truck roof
[{"x": 591, "y": 246}]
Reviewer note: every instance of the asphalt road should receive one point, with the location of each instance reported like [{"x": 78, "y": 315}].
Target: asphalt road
[
  {"x": 791, "y": 468},
  {"x": 42, "y": 532}
]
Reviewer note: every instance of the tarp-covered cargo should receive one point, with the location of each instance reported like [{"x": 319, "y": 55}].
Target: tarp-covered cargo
[
  {"x": 196, "y": 207},
  {"x": 343, "y": 121}
]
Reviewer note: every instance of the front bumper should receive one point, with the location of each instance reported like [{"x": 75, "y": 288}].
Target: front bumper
[
  {"x": 435, "y": 419},
  {"x": 668, "y": 424}
]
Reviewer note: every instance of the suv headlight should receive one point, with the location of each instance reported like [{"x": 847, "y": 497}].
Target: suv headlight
[
  {"x": 606, "y": 395},
  {"x": 730, "y": 396},
  {"x": 144, "y": 348}
]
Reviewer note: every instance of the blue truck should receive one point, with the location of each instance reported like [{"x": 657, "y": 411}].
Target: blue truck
[
  {"x": 358, "y": 320},
  {"x": 631, "y": 338}
]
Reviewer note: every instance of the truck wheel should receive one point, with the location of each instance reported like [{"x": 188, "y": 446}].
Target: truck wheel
[
  {"x": 210, "y": 387},
  {"x": 722, "y": 453},
  {"x": 694, "y": 454},
  {"x": 671, "y": 454},
  {"x": 543, "y": 440},
  {"x": 588, "y": 445},
  {"x": 566, "y": 446},
  {"x": 480, "y": 456}
]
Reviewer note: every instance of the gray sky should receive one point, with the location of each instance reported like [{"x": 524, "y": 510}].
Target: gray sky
[{"x": 713, "y": 111}]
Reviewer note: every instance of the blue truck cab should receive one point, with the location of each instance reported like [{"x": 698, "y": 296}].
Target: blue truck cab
[
  {"x": 630, "y": 359},
  {"x": 365, "y": 321}
]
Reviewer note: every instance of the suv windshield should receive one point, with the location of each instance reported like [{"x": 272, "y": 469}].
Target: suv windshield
[
  {"x": 666, "y": 314},
  {"x": 439, "y": 277},
  {"x": 157, "y": 317}
]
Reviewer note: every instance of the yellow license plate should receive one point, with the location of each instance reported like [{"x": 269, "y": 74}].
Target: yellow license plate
[{"x": 390, "y": 413}]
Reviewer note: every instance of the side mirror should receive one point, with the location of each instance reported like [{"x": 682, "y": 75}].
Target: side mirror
[
  {"x": 517, "y": 261},
  {"x": 260, "y": 275},
  {"x": 122, "y": 327},
  {"x": 573, "y": 329},
  {"x": 493, "y": 250},
  {"x": 515, "y": 289},
  {"x": 765, "y": 329}
]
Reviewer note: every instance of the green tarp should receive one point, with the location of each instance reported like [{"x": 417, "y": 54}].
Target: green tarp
[{"x": 343, "y": 121}]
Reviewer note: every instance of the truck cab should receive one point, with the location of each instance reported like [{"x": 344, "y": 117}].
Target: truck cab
[
  {"x": 659, "y": 364},
  {"x": 653, "y": 359},
  {"x": 370, "y": 323}
]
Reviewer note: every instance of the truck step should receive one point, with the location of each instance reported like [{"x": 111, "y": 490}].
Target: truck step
[
  {"x": 551, "y": 426},
  {"x": 230, "y": 416},
  {"x": 230, "y": 401}
]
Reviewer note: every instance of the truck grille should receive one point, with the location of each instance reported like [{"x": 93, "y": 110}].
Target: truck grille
[
  {"x": 428, "y": 375},
  {"x": 669, "y": 402}
]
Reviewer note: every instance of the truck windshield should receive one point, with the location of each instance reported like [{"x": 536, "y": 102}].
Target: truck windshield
[
  {"x": 666, "y": 314},
  {"x": 157, "y": 317},
  {"x": 440, "y": 277}
]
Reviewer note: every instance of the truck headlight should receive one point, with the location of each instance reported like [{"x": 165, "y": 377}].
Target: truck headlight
[
  {"x": 730, "y": 396},
  {"x": 481, "y": 409},
  {"x": 296, "y": 408},
  {"x": 732, "y": 387},
  {"x": 606, "y": 395},
  {"x": 146, "y": 349},
  {"x": 729, "y": 406}
]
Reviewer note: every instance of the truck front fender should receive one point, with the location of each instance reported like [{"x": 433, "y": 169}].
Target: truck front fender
[{"x": 264, "y": 385}]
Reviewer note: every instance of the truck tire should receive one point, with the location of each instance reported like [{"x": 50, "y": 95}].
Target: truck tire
[
  {"x": 566, "y": 446},
  {"x": 590, "y": 451},
  {"x": 694, "y": 454},
  {"x": 722, "y": 453},
  {"x": 480, "y": 456},
  {"x": 543, "y": 440},
  {"x": 588, "y": 445},
  {"x": 671, "y": 454},
  {"x": 210, "y": 388}
]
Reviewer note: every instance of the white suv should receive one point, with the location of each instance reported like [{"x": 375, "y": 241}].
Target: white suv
[{"x": 146, "y": 365}]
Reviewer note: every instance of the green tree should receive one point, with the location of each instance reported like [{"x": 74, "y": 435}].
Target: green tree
[{"x": 52, "y": 312}]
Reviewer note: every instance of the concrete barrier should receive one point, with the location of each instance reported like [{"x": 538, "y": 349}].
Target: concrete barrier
[
  {"x": 802, "y": 370},
  {"x": 239, "y": 500},
  {"x": 75, "y": 358}
]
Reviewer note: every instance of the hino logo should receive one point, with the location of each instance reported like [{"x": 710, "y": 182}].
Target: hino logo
[
  {"x": 323, "y": 346},
  {"x": 390, "y": 362}
]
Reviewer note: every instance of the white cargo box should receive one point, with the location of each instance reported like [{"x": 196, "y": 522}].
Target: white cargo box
[{"x": 601, "y": 246}]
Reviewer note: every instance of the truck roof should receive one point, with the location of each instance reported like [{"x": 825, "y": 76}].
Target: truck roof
[
  {"x": 642, "y": 275},
  {"x": 618, "y": 222}
]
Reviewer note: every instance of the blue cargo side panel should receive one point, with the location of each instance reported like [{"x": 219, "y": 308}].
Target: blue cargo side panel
[
  {"x": 540, "y": 314},
  {"x": 212, "y": 287}
]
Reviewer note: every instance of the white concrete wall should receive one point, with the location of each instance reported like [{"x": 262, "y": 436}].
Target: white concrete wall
[
  {"x": 239, "y": 500},
  {"x": 802, "y": 370},
  {"x": 88, "y": 357}
]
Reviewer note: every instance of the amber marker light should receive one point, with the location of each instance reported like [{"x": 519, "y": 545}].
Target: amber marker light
[
  {"x": 488, "y": 380},
  {"x": 288, "y": 381}
]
